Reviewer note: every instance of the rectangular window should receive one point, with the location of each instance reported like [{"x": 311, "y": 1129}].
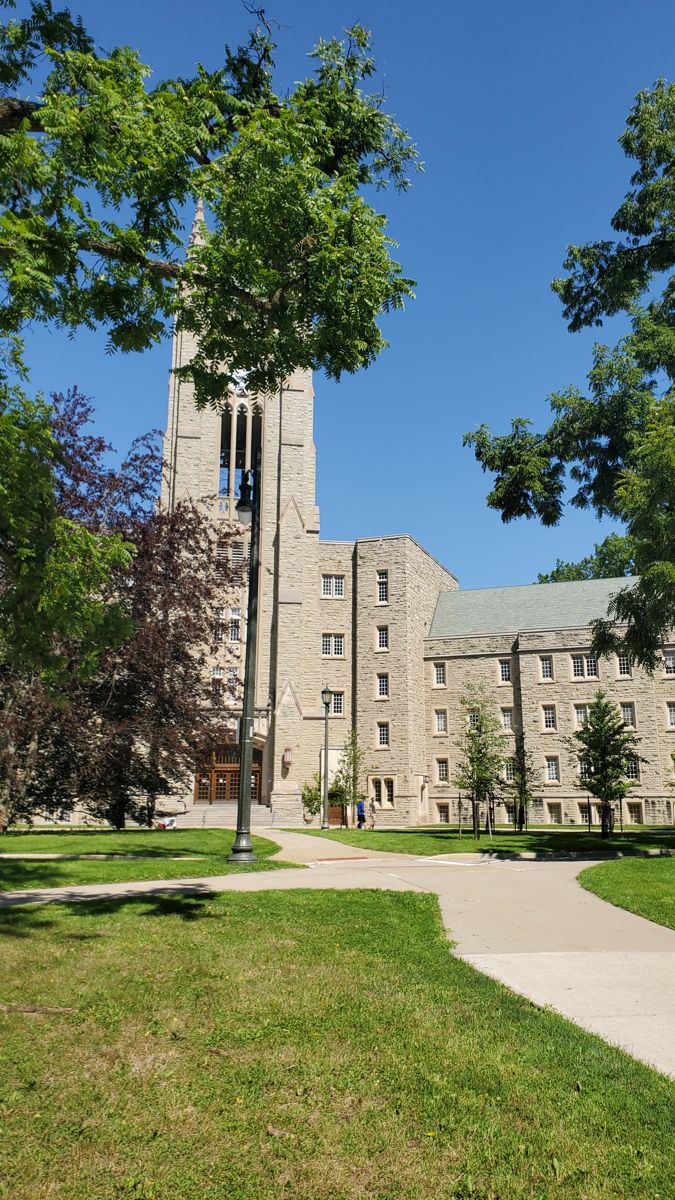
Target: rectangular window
[
  {"x": 377, "y": 791},
  {"x": 552, "y": 770},
  {"x": 632, "y": 769},
  {"x": 389, "y": 791},
  {"x": 580, "y": 715},
  {"x": 510, "y": 770},
  {"x": 332, "y": 645},
  {"x": 338, "y": 704},
  {"x": 628, "y": 715},
  {"x": 549, "y": 716},
  {"x": 474, "y": 718},
  {"x": 441, "y": 721},
  {"x": 505, "y": 670},
  {"x": 383, "y": 587},
  {"x": 584, "y": 664},
  {"x": 235, "y": 625},
  {"x": 219, "y": 632},
  {"x": 546, "y": 664},
  {"x": 237, "y": 554},
  {"x": 443, "y": 814},
  {"x": 671, "y": 714},
  {"x": 442, "y": 772},
  {"x": 333, "y": 585},
  {"x": 624, "y": 664},
  {"x": 507, "y": 718},
  {"x": 383, "y": 637},
  {"x": 217, "y": 684},
  {"x": 669, "y": 662},
  {"x": 439, "y": 674},
  {"x": 383, "y": 685},
  {"x": 383, "y": 733},
  {"x": 584, "y": 770}
]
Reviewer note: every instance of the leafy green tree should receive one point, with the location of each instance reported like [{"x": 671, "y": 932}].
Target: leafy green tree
[
  {"x": 349, "y": 777},
  {"x": 312, "y": 795},
  {"x": 523, "y": 785},
  {"x": 54, "y": 572},
  {"x": 604, "y": 441},
  {"x": 604, "y": 749},
  {"x": 293, "y": 266},
  {"x": 610, "y": 559},
  {"x": 116, "y": 738},
  {"x": 481, "y": 749}
]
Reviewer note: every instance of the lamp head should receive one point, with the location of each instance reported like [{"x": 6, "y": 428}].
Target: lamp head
[{"x": 326, "y": 696}]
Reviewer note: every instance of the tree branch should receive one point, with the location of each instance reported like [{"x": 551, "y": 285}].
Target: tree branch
[{"x": 14, "y": 112}]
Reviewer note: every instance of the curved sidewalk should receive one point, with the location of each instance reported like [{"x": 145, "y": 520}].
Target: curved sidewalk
[{"x": 528, "y": 924}]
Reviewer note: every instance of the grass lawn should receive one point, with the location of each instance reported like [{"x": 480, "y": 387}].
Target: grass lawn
[
  {"x": 301, "y": 1046},
  {"x": 645, "y": 886},
  {"x": 205, "y": 852},
  {"x": 444, "y": 839}
]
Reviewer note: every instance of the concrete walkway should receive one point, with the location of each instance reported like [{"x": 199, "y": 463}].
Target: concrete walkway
[{"x": 528, "y": 924}]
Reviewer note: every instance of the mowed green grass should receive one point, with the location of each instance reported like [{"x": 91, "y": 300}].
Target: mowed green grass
[
  {"x": 205, "y": 853},
  {"x": 645, "y": 886},
  {"x": 304, "y": 1045},
  {"x": 445, "y": 839}
]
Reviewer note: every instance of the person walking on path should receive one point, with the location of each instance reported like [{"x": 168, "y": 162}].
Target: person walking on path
[
  {"x": 360, "y": 814},
  {"x": 372, "y": 812}
]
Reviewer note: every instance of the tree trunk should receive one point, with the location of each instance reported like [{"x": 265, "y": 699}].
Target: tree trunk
[
  {"x": 605, "y": 821},
  {"x": 476, "y": 819}
]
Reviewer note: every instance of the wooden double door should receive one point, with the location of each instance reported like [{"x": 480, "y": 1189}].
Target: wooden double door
[{"x": 218, "y": 782}]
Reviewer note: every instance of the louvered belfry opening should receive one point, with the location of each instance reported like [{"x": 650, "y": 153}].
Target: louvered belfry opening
[{"x": 240, "y": 440}]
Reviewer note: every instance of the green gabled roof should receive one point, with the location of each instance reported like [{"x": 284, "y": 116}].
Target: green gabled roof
[{"x": 532, "y": 606}]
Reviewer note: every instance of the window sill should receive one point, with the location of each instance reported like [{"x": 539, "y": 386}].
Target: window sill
[{"x": 379, "y": 699}]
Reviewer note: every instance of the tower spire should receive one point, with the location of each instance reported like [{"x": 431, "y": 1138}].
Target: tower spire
[{"x": 197, "y": 232}]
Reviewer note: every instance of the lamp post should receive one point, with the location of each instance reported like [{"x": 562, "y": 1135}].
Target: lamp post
[
  {"x": 248, "y": 508},
  {"x": 326, "y": 697}
]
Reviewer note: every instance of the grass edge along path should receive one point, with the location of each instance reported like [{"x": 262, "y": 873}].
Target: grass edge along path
[
  {"x": 543, "y": 842},
  {"x": 645, "y": 887},
  {"x": 306, "y": 1045},
  {"x": 204, "y": 857}
]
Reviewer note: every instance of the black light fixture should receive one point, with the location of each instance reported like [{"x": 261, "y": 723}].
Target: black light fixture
[
  {"x": 248, "y": 509},
  {"x": 326, "y": 697}
]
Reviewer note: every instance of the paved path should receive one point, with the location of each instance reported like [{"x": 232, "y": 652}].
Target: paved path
[{"x": 527, "y": 924}]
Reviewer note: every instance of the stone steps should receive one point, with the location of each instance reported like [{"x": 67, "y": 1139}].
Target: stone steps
[{"x": 221, "y": 816}]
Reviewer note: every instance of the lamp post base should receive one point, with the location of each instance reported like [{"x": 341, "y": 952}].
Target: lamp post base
[{"x": 242, "y": 850}]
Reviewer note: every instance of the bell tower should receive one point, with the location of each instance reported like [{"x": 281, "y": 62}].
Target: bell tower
[{"x": 206, "y": 453}]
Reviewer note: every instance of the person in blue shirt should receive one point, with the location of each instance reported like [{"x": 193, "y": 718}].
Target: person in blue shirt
[{"x": 360, "y": 814}]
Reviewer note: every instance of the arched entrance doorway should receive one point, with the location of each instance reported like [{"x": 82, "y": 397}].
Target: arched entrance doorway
[{"x": 218, "y": 782}]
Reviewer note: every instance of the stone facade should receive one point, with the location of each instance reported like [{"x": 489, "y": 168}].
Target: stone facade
[
  {"x": 373, "y": 619},
  {"x": 545, "y": 699}
]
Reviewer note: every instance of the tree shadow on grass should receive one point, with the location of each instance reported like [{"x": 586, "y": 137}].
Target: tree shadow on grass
[
  {"x": 561, "y": 843},
  {"x": 25, "y": 920}
]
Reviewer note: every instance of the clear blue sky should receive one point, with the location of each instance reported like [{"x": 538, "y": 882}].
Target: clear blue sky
[{"x": 516, "y": 109}]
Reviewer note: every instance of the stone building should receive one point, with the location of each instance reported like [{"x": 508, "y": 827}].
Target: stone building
[{"x": 383, "y": 624}]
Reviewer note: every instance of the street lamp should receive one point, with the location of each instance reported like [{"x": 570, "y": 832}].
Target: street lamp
[
  {"x": 248, "y": 510},
  {"x": 326, "y": 697}
]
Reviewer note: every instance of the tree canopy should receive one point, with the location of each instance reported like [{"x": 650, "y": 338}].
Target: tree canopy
[
  {"x": 604, "y": 748},
  {"x": 98, "y": 168},
  {"x": 613, "y": 443}
]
